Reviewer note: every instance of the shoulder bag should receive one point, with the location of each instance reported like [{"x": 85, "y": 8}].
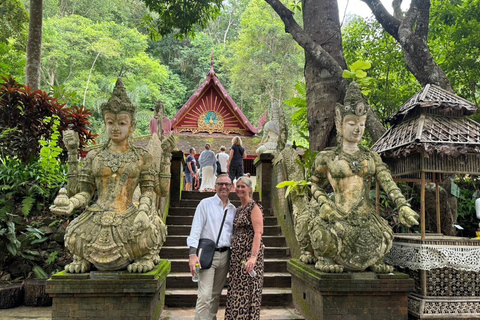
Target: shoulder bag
[
  {"x": 206, "y": 248},
  {"x": 219, "y": 167}
]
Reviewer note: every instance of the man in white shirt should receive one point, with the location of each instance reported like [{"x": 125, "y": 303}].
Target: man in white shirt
[
  {"x": 222, "y": 157},
  {"x": 206, "y": 224}
]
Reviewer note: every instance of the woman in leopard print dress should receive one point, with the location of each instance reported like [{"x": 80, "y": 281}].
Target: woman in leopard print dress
[{"x": 244, "y": 290}]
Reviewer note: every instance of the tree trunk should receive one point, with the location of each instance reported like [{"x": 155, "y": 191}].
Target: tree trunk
[
  {"x": 323, "y": 91},
  {"x": 324, "y": 65},
  {"x": 34, "y": 44}
]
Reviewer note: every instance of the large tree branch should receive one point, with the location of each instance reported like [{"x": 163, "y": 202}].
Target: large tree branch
[
  {"x": 325, "y": 60},
  {"x": 411, "y": 33},
  {"x": 423, "y": 18},
  {"x": 389, "y": 22},
  {"x": 397, "y": 10}
]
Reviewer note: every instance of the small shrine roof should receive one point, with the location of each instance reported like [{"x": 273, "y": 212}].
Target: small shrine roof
[
  {"x": 211, "y": 109},
  {"x": 434, "y": 97},
  {"x": 430, "y": 132}
]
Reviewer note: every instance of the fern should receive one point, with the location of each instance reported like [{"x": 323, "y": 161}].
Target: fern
[{"x": 27, "y": 205}]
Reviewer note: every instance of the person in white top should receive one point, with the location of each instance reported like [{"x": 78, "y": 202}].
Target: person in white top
[
  {"x": 222, "y": 157},
  {"x": 206, "y": 224}
]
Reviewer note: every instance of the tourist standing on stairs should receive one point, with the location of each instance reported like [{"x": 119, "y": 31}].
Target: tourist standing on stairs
[
  {"x": 190, "y": 170},
  {"x": 235, "y": 162},
  {"x": 247, "y": 260},
  {"x": 206, "y": 224},
  {"x": 222, "y": 157},
  {"x": 208, "y": 167}
]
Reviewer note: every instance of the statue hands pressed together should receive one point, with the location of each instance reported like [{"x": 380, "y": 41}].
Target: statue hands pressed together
[
  {"x": 112, "y": 233},
  {"x": 347, "y": 234}
]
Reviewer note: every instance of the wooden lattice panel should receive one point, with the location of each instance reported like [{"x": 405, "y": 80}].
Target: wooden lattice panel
[
  {"x": 430, "y": 133},
  {"x": 450, "y": 130},
  {"x": 397, "y": 136}
]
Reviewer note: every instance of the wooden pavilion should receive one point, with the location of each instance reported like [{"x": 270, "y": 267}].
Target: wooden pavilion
[{"x": 430, "y": 137}]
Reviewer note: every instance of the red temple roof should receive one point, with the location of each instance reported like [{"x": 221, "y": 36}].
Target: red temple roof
[{"x": 211, "y": 109}]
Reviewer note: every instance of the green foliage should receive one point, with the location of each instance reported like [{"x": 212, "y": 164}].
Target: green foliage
[
  {"x": 189, "y": 60},
  {"x": 298, "y": 186},
  {"x": 52, "y": 257},
  {"x": 22, "y": 114},
  {"x": 226, "y": 25},
  {"x": 466, "y": 203},
  {"x": 14, "y": 20},
  {"x": 264, "y": 63},
  {"x": 300, "y": 115},
  {"x": 26, "y": 190},
  {"x": 40, "y": 273},
  {"x": 454, "y": 39},
  {"x": 128, "y": 13},
  {"x": 180, "y": 17},
  {"x": 12, "y": 59},
  {"x": 78, "y": 51},
  {"x": 466, "y": 214},
  {"x": 390, "y": 83},
  {"x": 49, "y": 155},
  {"x": 358, "y": 74},
  {"x": 301, "y": 187},
  {"x": 13, "y": 37}
]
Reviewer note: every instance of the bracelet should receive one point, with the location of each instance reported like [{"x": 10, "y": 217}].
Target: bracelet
[
  {"x": 254, "y": 254},
  {"x": 192, "y": 254}
]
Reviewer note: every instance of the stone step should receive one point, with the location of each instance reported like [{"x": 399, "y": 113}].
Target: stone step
[
  {"x": 179, "y": 252},
  {"x": 177, "y": 298},
  {"x": 179, "y": 230},
  {"x": 270, "y": 264},
  {"x": 187, "y": 220},
  {"x": 190, "y": 211},
  {"x": 183, "y": 280},
  {"x": 179, "y": 211},
  {"x": 45, "y": 313},
  {"x": 266, "y": 313},
  {"x": 269, "y": 241},
  {"x": 201, "y": 195}
]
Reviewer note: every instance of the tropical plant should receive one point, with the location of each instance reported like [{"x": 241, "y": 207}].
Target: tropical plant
[
  {"x": 301, "y": 187},
  {"x": 26, "y": 190},
  {"x": 299, "y": 116},
  {"x": 22, "y": 119}
]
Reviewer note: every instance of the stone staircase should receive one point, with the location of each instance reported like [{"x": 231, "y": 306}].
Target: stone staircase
[{"x": 181, "y": 292}]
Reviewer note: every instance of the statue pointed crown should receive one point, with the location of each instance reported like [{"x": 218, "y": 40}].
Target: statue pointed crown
[
  {"x": 354, "y": 102},
  {"x": 119, "y": 102}
]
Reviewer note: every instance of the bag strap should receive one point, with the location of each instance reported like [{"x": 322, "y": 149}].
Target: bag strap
[{"x": 221, "y": 227}]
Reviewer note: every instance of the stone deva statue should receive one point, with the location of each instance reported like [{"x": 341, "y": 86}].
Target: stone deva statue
[
  {"x": 275, "y": 131},
  {"x": 346, "y": 233},
  {"x": 112, "y": 233}
]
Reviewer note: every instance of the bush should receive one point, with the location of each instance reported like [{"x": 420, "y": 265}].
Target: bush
[
  {"x": 31, "y": 173},
  {"x": 22, "y": 114}
]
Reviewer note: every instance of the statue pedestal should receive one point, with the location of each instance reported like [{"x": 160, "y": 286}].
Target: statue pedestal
[
  {"x": 112, "y": 295},
  {"x": 352, "y": 296}
]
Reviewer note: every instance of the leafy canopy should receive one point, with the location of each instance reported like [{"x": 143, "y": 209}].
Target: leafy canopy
[{"x": 180, "y": 16}]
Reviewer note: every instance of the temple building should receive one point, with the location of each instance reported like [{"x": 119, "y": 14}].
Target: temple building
[{"x": 210, "y": 115}]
